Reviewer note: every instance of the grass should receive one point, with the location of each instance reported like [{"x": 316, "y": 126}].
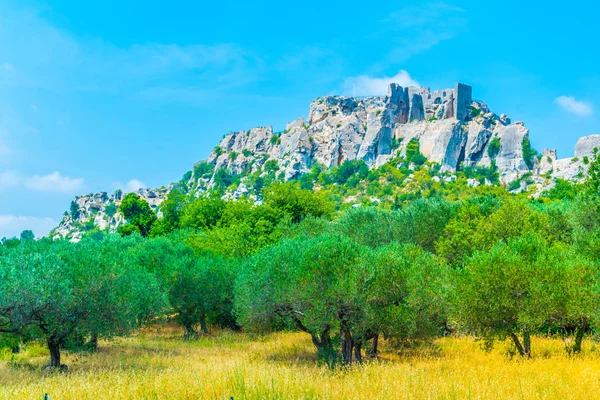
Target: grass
[{"x": 157, "y": 365}]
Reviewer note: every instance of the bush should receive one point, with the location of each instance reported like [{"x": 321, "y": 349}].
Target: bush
[
  {"x": 275, "y": 139},
  {"x": 494, "y": 148},
  {"x": 529, "y": 153},
  {"x": 203, "y": 170}
]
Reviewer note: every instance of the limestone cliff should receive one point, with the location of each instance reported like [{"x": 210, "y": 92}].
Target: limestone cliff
[{"x": 451, "y": 129}]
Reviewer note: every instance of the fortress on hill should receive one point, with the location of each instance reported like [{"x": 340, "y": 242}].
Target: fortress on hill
[{"x": 417, "y": 104}]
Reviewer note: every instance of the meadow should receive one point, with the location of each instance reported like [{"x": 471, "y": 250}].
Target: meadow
[{"x": 157, "y": 364}]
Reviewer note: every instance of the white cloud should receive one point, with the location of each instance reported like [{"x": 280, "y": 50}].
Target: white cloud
[
  {"x": 570, "y": 104},
  {"x": 12, "y": 225},
  {"x": 132, "y": 186},
  {"x": 53, "y": 182},
  {"x": 364, "y": 85}
]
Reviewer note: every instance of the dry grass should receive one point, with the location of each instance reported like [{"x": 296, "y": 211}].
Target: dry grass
[{"x": 158, "y": 365}]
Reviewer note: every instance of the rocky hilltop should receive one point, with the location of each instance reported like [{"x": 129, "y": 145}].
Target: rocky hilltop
[{"x": 451, "y": 129}]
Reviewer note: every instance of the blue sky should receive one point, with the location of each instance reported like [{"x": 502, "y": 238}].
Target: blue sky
[{"x": 100, "y": 95}]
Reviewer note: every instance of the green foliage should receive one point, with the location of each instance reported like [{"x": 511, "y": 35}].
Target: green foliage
[
  {"x": 218, "y": 151},
  {"x": 593, "y": 179},
  {"x": 481, "y": 173},
  {"x": 186, "y": 177},
  {"x": 334, "y": 285},
  {"x": 395, "y": 143},
  {"x": 111, "y": 210},
  {"x": 247, "y": 153},
  {"x": 529, "y": 153},
  {"x": 512, "y": 289},
  {"x": 233, "y": 155},
  {"x": 224, "y": 178},
  {"x": 199, "y": 289},
  {"x": 275, "y": 139},
  {"x": 137, "y": 213},
  {"x": 202, "y": 213},
  {"x": 271, "y": 166},
  {"x": 475, "y": 112},
  {"x": 494, "y": 148},
  {"x": 413, "y": 153},
  {"x": 297, "y": 203},
  {"x": 350, "y": 168},
  {"x": 203, "y": 170},
  {"x": 74, "y": 210},
  {"x": 89, "y": 288},
  {"x": 27, "y": 236}
]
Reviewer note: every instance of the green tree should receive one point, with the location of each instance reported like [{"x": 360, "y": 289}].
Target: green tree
[
  {"x": 74, "y": 210},
  {"x": 306, "y": 291},
  {"x": 53, "y": 291},
  {"x": 290, "y": 199},
  {"x": 202, "y": 213},
  {"x": 406, "y": 294},
  {"x": 200, "y": 290},
  {"x": 138, "y": 214},
  {"x": 171, "y": 209},
  {"x": 508, "y": 291},
  {"x": 27, "y": 236}
]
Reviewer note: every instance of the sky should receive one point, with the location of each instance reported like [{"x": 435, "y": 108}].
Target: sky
[{"x": 96, "y": 96}]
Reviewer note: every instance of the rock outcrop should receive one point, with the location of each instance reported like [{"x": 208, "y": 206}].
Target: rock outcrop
[
  {"x": 100, "y": 211},
  {"x": 451, "y": 129}
]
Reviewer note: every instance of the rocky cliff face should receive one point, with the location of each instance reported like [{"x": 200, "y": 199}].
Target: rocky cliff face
[
  {"x": 100, "y": 211},
  {"x": 451, "y": 129}
]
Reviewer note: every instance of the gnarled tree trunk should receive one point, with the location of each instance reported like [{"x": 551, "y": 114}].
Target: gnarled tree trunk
[
  {"x": 525, "y": 348},
  {"x": 357, "y": 351},
  {"x": 54, "y": 363},
  {"x": 190, "y": 332},
  {"x": 373, "y": 350},
  {"x": 203, "y": 326},
  {"x": 579, "y": 336}
]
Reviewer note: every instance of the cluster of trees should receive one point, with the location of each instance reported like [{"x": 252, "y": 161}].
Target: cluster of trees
[{"x": 494, "y": 265}]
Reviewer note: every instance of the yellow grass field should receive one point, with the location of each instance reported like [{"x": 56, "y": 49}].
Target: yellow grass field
[{"x": 157, "y": 364}]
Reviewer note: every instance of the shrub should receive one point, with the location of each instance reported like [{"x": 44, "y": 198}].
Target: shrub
[
  {"x": 203, "y": 170},
  {"x": 529, "y": 153},
  {"x": 475, "y": 112},
  {"x": 494, "y": 148},
  {"x": 275, "y": 139}
]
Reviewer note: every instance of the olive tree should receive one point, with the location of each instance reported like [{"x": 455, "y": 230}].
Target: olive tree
[
  {"x": 307, "y": 284},
  {"x": 333, "y": 288},
  {"x": 200, "y": 289},
  {"x": 51, "y": 291},
  {"x": 508, "y": 291},
  {"x": 406, "y": 294}
]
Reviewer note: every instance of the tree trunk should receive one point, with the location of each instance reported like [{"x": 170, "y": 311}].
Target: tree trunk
[
  {"x": 92, "y": 345},
  {"x": 54, "y": 355},
  {"x": 579, "y": 336},
  {"x": 357, "y": 352},
  {"x": 190, "y": 332},
  {"x": 373, "y": 350},
  {"x": 518, "y": 344},
  {"x": 203, "y": 326},
  {"x": 347, "y": 346},
  {"x": 527, "y": 344}
]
